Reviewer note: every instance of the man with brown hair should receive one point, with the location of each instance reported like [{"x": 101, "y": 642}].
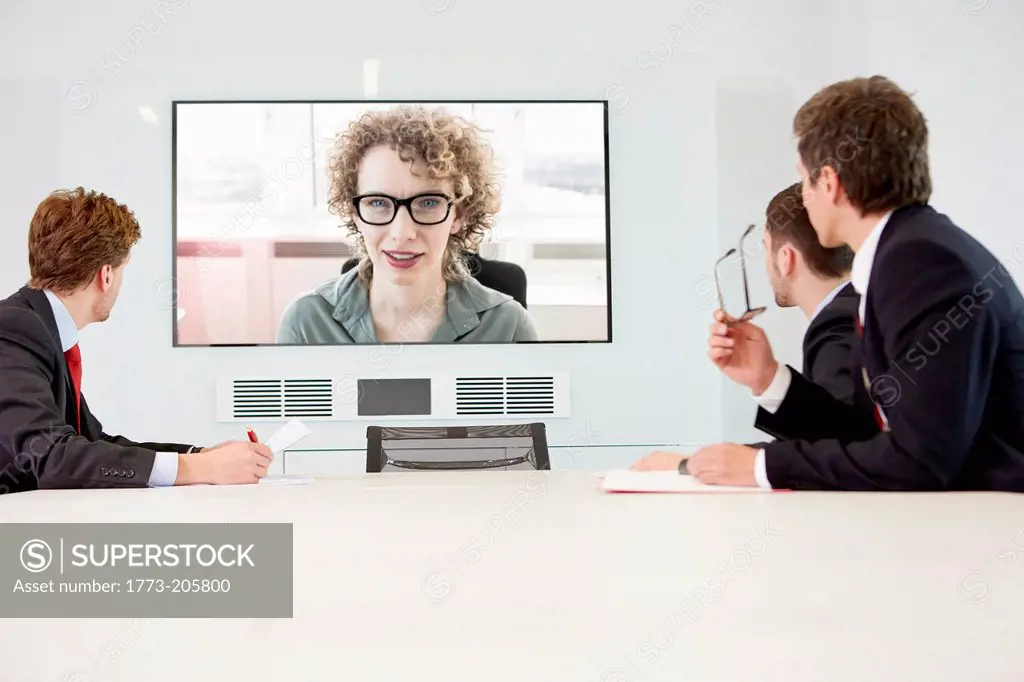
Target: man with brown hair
[
  {"x": 815, "y": 279},
  {"x": 79, "y": 243},
  {"x": 940, "y": 321},
  {"x": 805, "y": 274}
]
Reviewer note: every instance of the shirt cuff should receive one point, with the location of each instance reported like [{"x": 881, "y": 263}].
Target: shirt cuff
[
  {"x": 165, "y": 470},
  {"x": 773, "y": 396},
  {"x": 760, "y": 472}
]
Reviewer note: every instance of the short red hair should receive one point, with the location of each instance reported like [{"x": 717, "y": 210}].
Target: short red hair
[{"x": 73, "y": 234}]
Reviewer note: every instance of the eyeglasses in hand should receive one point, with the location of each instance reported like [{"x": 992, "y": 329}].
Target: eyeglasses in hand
[{"x": 749, "y": 313}]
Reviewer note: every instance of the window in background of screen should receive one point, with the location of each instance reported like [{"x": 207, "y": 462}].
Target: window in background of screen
[{"x": 253, "y": 230}]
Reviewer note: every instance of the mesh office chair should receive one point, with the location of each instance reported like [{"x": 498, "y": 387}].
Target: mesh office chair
[
  {"x": 508, "y": 278},
  {"x": 447, "y": 448}
]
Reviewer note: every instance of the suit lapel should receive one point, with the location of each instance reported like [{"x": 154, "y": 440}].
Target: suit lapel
[
  {"x": 869, "y": 325},
  {"x": 898, "y": 216},
  {"x": 38, "y": 302},
  {"x": 837, "y": 303}
]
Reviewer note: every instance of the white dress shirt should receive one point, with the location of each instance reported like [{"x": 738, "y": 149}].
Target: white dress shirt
[
  {"x": 860, "y": 274},
  {"x": 165, "y": 466}
]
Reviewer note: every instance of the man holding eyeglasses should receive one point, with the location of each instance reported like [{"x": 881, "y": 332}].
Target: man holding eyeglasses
[
  {"x": 807, "y": 275},
  {"x": 941, "y": 321},
  {"x": 414, "y": 224}
]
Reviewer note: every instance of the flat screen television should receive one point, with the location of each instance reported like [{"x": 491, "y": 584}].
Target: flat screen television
[{"x": 383, "y": 222}]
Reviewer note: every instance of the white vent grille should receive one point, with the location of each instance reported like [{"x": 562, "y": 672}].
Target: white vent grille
[
  {"x": 544, "y": 395},
  {"x": 480, "y": 395},
  {"x": 517, "y": 396},
  {"x": 255, "y": 399},
  {"x": 529, "y": 395},
  {"x": 308, "y": 398}
]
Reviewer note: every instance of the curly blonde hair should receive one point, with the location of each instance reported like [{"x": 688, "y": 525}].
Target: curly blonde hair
[{"x": 452, "y": 149}]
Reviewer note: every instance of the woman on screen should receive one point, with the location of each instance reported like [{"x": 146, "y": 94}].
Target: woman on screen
[{"x": 417, "y": 189}]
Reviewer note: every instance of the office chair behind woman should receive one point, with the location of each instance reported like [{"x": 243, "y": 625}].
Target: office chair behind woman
[{"x": 507, "y": 278}]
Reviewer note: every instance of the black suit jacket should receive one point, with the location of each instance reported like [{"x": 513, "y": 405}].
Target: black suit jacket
[
  {"x": 40, "y": 446},
  {"x": 829, "y": 360},
  {"x": 943, "y": 354}
]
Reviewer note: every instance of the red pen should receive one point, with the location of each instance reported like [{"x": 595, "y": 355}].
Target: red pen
[{"x": 252, "y": 434}]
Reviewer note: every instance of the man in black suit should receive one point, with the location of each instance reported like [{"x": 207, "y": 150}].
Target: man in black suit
[
  {"x": 79, "y": 243},
  {"x": 941, "y": 322},
  {"x": 807, "y": 275}
]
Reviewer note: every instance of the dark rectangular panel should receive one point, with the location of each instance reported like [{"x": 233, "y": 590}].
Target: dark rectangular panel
[{"x": 393, "y": 397}]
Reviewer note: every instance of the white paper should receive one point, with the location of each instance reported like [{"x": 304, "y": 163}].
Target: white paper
[
  {"x": 629, "y": 481},
  {"x": 284, "y": 480},
  {"x": 289, "y": 435}
]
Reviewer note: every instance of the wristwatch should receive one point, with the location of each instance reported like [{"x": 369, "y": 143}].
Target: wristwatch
[{"x": 682, "y": 468}]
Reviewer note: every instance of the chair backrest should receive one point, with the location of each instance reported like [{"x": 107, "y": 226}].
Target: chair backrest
[
  {"x": 508, "y": 278},
  {"x": 446, "y": 448}
]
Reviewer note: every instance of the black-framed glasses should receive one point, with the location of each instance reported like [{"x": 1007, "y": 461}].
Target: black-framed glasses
[
  {"x": 749, "y": 313},
  {"x": 428, "y": 208}
]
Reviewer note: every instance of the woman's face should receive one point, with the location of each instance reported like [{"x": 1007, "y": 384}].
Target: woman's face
[{"x": 403, "y": 250}]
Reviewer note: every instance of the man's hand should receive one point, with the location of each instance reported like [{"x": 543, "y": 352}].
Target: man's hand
[
  {"x": 659, "y": 461},
  {"x": 741, "y": 350},
  {"x": 723, "y": 464},
  {"x": 232, "y": 463}
]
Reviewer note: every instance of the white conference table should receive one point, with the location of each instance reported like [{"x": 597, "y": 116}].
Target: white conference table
[{"x": 575, "y": 585}]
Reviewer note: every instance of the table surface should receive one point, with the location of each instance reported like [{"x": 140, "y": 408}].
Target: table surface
[{"x": 574, "y": 584}]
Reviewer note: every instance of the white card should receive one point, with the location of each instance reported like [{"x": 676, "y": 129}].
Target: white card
[{"x": 289, "y": 435}]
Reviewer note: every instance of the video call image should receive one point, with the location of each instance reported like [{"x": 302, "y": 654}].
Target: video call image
[{"x": 333, "y": 223}]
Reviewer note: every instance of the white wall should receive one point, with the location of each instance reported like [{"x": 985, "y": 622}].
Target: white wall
[{"x": 702, "y": 96}]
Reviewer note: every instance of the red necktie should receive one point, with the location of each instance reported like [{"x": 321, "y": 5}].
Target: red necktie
[
  {"x": 73, "y": 356},
  {"x": 867, "y": 385}
]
